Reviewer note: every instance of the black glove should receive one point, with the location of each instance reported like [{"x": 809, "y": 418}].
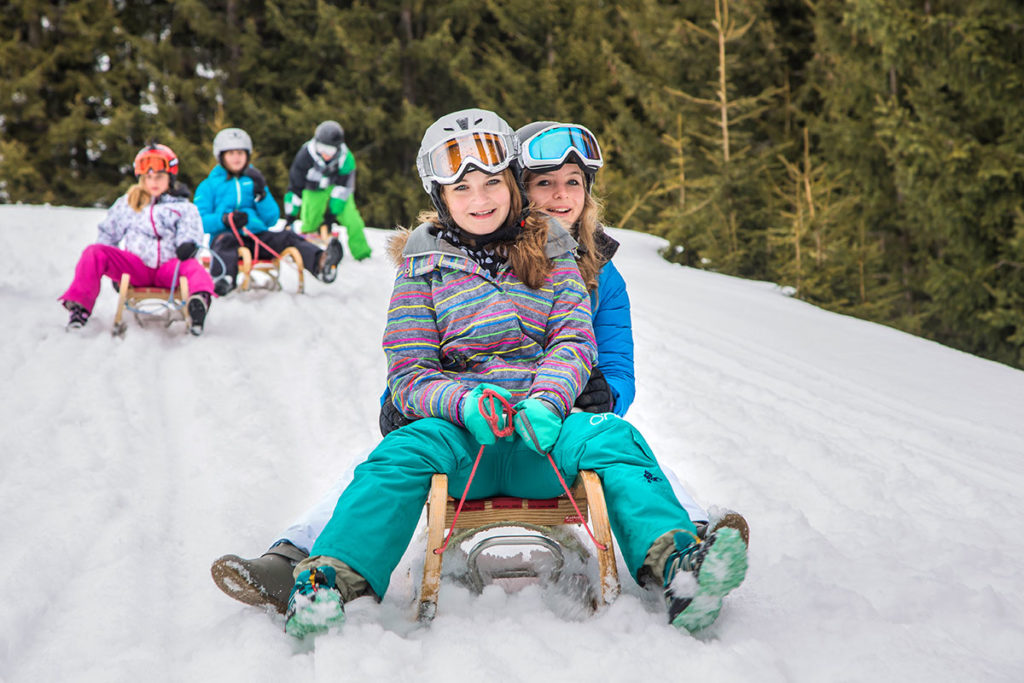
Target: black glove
[
  {"x": 597, "y": 395},
  {"x": 241, "y": 219},
  {"x": 186, "y": 250},
  {"x": 390, "y": 418}
]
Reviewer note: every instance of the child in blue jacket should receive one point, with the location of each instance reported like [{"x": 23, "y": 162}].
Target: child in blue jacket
[{"x": 238, "y": 210}]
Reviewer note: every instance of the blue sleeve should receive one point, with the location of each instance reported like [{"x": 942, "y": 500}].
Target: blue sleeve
[
  {"x": 204, "y": 201},
  {"x": 268, "y": 211},
  {"x": 613, "y": 329}
]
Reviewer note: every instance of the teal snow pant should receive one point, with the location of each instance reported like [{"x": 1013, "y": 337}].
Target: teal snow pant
[{"x": 377, "y": 514}]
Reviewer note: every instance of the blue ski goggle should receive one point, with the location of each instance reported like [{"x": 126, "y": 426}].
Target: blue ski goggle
[{"x": 549, "y": 149}]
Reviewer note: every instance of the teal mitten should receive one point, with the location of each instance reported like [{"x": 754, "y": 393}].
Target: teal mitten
[
  {"x": 474, "y": 419},
  {"x": 538, "y": 424}
]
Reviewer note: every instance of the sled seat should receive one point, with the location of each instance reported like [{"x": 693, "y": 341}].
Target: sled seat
[
  {"x": 542, "y": 515},
  {"x": 150, "y": 304}
]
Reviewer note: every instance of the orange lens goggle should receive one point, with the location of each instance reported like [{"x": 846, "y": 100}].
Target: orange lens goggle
[
  {"x": 155, "y": 163},
  {"x": 447, "y": 161}
]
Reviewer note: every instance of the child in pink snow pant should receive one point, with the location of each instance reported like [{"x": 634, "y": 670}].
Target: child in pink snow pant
[{"x": 101, "y": 259}]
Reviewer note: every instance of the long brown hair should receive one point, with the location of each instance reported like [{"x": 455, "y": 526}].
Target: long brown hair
[
  {"x": 526, "y": 254},
  {"x": 138, "y": 196},
  {"x": 588, "y": 258}
]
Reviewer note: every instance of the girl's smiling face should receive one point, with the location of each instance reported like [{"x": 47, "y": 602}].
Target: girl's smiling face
[
  {"x": 560, "y": 194},
  {"x": 479, "y": 203}
]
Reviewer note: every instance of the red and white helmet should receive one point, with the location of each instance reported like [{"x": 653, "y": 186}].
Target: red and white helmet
[{"x": 156, "y": 158}]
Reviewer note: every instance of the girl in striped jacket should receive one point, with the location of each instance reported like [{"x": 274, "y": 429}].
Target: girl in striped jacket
[{"x": 489, "y": 297}]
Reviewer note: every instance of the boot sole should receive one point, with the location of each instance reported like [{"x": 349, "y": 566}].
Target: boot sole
[
  {"x": 722, "y": 571},
  {"x": 734, "y": 520},
  {"x": 232, "y": 576}
]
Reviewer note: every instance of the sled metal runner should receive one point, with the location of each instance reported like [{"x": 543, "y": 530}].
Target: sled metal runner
[
  {"x": 540, "y": 516},
  {"x": 151, "y": 305}
]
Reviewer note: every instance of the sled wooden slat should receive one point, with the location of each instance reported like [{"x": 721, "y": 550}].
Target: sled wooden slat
[
  {"x": 435, "y": 536},
  {"x": 606, "y": 567},
  {"x": 548, "y": 513}
]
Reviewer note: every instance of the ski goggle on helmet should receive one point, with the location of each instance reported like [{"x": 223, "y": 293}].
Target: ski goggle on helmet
[
  {"x": 471, "y": 137},
  {"x": 547, "y": 146},
  {"x": 156, "y": 159}
]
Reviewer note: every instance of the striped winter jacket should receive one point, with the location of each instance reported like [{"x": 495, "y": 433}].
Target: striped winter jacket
[{"x": 451, "y": 327}]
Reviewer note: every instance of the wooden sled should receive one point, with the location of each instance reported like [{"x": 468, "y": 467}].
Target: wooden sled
[
  {"x": 151, "y": 305},
  {"x": 543, "y": 516},
  {"x": 269, "y": 270}
]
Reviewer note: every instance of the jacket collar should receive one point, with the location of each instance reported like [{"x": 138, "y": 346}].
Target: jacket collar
[
  {"x": 425, "y": 250},
  {"x": 423, "y": 241}
]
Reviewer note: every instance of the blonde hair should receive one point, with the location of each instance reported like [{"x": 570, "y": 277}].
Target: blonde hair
[
  {"x": 526, "y": 254},
  {"x": 589, "y": 260},
  {"x": 138, "y": 196}
]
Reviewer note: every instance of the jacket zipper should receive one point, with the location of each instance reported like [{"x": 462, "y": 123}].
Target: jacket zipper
[{"x": 156, "y": 234}]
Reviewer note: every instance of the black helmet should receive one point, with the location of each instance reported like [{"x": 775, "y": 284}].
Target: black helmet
[{"x": 330, "y": 133}]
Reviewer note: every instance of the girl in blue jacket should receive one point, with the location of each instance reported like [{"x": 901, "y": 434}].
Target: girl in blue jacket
[{"x": 238, "y": 210}]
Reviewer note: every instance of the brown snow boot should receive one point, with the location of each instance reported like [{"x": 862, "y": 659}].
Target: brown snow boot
[{"x": 266, "y": 580}]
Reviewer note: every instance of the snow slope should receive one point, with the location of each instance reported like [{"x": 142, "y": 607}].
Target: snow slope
[{"x": 880, "y": 473}]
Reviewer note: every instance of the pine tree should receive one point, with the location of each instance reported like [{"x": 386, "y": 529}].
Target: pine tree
[
  {"x": 953, "y": 135},
  {"x": 727, "y": 229}
]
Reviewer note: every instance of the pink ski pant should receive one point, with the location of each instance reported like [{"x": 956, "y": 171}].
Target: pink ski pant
[{"x": 101, "y": 259}]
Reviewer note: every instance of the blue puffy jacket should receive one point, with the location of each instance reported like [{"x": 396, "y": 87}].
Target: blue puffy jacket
[
  {"x": 613, "y": 330},
  {"x": 222, "y": 193}
]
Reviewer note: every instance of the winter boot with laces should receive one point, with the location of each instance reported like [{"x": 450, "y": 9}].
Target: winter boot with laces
[
  {"x": 264, "y": 581},
  {"x": 197, "y": 307},
  {"x": 78, "y": 315},
  {"x": 329, "y": 261},
  {"x": 699, "y": 574},
  {"x": 315, "y": 604}
]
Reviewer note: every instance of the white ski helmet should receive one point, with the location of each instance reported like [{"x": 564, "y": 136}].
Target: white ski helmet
[
  {"x": 231, "y": 138},
  {"x": 455, "y": 143},
  {"x": 471, "y": 137}
]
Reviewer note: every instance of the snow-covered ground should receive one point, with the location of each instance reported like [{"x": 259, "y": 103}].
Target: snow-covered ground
[{"x": 881, "y": 475}]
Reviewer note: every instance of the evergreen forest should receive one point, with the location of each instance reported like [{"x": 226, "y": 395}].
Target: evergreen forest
[{"x": 868, "y": 154}]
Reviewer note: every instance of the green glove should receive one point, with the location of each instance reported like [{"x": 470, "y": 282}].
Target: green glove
[
  {"x": 534, "y": 415},
  {"x": 292, "y": 202},
  {"x": 474, "y": 419},
  {"x": 336, "y": 206}
]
